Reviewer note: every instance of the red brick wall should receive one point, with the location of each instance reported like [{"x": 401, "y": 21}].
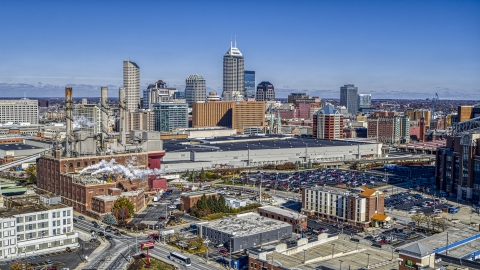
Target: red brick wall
[
  {"x": 293, "y": 221},
  {"x": 254, "y": 264},
  {"x": 189, "y": 201}
]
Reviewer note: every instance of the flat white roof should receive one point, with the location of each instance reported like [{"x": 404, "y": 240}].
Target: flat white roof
[{"x": 284, "y": 212}]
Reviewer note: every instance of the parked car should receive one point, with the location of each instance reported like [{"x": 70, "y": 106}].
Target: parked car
[
  {"x": 108, "y": 237},
  {"x": 48, "y": 261},
  {"x": 223, "y": 251},
  {"x": 387, "y": 226},
  {"x": 81, "y": 217},
  {"x": 437, "y": 211}
]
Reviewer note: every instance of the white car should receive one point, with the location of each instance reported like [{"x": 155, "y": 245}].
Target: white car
[
  {"x": 172, "y": 207},
  {"x": 412, "y": 211},
  {"x": 437, "y": 211},
  {"x": 387, "y": 226}
]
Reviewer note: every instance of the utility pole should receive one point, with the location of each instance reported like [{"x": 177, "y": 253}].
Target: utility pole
[{"x": 260, "y": 188}]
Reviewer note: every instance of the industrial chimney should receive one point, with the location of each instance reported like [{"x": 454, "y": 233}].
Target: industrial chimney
[
  {"x": 105, "y": 110},
  {"x": 121, "y": 97},
  {"x": 69, "y": 118}
]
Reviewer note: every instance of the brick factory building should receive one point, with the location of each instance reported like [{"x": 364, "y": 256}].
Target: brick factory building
[{"x": 188, "y": 200}]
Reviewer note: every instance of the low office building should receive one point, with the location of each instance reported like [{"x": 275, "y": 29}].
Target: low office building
[
  {"x": 188, "y": 200},
  {"x": 235, "y": 203},
  {"x": 33, "y": 225},
  {"x": 103, "y": 204},
  {"x": 297, "y": 220},
  {"x": 356, "y": 206},
  {"x": 245, "y": 231}
]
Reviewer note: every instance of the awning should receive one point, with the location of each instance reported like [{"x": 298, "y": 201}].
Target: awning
[{"x": 381, "y": 217}]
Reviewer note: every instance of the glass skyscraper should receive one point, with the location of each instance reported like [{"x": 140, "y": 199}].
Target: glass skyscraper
[
  {"x": 250, "y": 84},
  {"x": 349, "y": 98},
  {"x": 169, "y": 115}
]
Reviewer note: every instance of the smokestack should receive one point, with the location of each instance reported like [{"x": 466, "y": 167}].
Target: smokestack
[
  {"x": 69, "y": 118},
  {"x": 121, "y": 96},
  {"x": 105, "y": 109}
]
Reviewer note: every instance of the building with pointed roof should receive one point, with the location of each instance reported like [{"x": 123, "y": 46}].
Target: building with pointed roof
[
  {"x": 328, "y": 123},
  {"x": 416, "y": 256},
  {"x": 233, "y": 74}
]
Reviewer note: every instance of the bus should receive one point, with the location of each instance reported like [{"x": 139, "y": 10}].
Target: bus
[{"x": 179, "y": 258}]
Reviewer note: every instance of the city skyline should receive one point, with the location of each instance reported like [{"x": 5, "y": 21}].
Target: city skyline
[{"x": 391, "y": 50}]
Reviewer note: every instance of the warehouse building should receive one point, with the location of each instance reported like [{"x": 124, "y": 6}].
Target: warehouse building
[
  {"x": 297, "y": 220},
  {"x": 259, "y": 150},
  {"x": 245, "y": 231}
]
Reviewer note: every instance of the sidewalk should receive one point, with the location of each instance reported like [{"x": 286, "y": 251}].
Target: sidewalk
[{"x": 93, "y": 256}]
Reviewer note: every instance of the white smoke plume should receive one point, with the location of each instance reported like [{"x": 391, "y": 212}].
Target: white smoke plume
[
  {"x": 128, "y": 171},
  {"x": 81, "y": 121}
]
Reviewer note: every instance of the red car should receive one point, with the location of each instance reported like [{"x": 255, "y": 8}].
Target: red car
[{"x": 223, "y": 251}]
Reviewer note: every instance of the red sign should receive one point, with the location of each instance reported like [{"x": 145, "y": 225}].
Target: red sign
[{"x": 148, "y": 245}]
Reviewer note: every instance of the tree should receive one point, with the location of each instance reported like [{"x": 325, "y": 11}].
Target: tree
[
  {"x": 202, "y": 174},
  {"x": 123, "y": 208},
  {"x": 418, "y": 219},
  {"x": 31, "y": 172},
  {"x": 21, "y": 266},
  {"x": 109, "y": 219}
]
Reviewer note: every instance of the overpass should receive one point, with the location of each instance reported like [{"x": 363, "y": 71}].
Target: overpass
[{"x": 22, "y": 160}]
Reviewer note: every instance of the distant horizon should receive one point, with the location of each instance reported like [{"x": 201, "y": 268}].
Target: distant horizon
[{"x": 390, "y": 49}]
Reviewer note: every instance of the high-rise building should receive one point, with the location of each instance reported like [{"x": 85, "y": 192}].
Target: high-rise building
[
  {"x": 364, "y": 101},
  {"x": 87, "y": 117},
  {"x": 233, "y": 74},
  {"x": 250, "y": 84},
  {"x": 328, "y": 123},
  {"x": 195, "y": 89},
  {"x": 416, "y": 115},
  {"x": 265, "y": 91},
  {"x": 389, "y": 129},
  {"x": 131, "y": 83},
  {"x": 457, "y": 167},
  {"x": 170, "y": 115},
  {"x": 349, "y": 98},
  {"x": 140, "y": 120},
  {"x": 19, "y": 111},
  {"x": 237, "y": 115},
  {"x": 157, "y": 92}
]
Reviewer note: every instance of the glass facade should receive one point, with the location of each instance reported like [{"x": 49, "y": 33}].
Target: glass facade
[
  {"x": 169, "y": 116},
  {"x": 250, "y": 88},
  {"x": 476, "y": 174}
]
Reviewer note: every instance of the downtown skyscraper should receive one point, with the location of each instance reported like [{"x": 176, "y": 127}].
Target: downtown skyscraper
[
  {"x": 233, "y": 74},
  {"x": 195, "y": 89},
  {"x": 349, "y": 98},
  {"x": 131, "y": 83},
  {"x": 250, "y": 85}
]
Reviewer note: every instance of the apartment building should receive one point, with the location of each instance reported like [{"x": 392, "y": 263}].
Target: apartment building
[
  {"x": 33, "y": 225},
  {"x": 328, "y": 123},
  {"x": 389, "y": 129},
  {"x": 355, "y": 206}
]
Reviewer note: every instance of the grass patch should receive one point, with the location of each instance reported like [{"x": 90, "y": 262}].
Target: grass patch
[
  {"x": 216, "y": 216},
  {"x": 154, "y": 265}
]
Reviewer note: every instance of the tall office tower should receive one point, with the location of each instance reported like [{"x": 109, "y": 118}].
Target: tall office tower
[
  {"x": 265, "y": 91},
  {"x": 195, "y": 89},
  {"x": 157, "y": 92},
  {"x": 19, "y": 111},
  {"x": 328, "y": 123},
  {"x": 233, "y": 75},
  {"x": 250, "y": 84},
  {"x": 364, "y": 101},
  {"x": 131, "y": 83},
  {"x": 349, "y": 98}
]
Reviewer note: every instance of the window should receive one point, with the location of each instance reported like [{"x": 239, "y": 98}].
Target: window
[
  {"x": 78, "y": 164},
  {"x": 54, "y": 223},
  {"x": 53, "y": 214},
  {"x": 64, "y": 213}
]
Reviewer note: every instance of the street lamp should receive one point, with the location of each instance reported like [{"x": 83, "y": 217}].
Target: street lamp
[
  {"x": 340, "y": 264},
  {"x": 206, "y": 241},
  {"x": 333, "y": 249},
  {"x": 368, "y": 259}
]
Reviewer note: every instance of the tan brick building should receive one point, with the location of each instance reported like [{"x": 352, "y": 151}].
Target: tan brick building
[
  {"x": 236, "y": 115},
  {"x": 188, "y": 200},
  {"x": 297, "y": 220}
]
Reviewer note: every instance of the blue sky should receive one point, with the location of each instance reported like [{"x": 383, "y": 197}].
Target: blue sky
[{"x": 392, "y": 49}]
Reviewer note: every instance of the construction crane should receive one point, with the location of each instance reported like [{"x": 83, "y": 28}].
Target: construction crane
[{"x": 434, "y": 100}]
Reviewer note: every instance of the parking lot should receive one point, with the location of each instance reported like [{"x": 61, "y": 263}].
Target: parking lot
[
  {"x": 294, "y": 181},
  {"x": 415, "y": 203},
  {"x": 59, "y": 259}
]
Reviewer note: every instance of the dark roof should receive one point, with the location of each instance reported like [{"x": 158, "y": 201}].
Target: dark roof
[
  {"x": 417, "y": 250},
  {"x": 252, "y": 143},
  {"x": 19, "y": 146}
]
